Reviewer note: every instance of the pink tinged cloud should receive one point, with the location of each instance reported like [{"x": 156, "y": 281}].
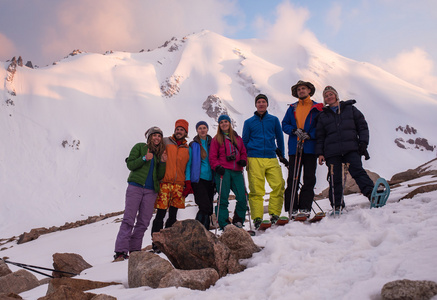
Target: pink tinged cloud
[
  {"x": 7, "y": 48},
  {"x": 289, "y": 26},
  {"x": 99, "y": 25},
  {"x": 289, "y": 23},
  {"x": 416, "y": 67}
]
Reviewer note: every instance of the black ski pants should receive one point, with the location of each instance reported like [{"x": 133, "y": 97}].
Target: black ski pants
[
  {"x": 204, "y": 197},
  {"x": 158, "y": 223},
  {"x": 304, "y": 199},
  {"x": 355, "y": 169}
]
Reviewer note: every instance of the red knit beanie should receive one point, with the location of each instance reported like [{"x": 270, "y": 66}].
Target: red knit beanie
[{"x": 181, "y": 123}]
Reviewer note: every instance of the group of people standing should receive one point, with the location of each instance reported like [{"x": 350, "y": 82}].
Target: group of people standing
[{"x": 163, "y": 171}]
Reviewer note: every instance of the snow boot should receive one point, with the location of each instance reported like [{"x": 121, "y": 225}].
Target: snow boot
[
  {"x": 274, "y": 218},
  {"x": 120, "y": 256},
  {"x": 257, "y": 222}
]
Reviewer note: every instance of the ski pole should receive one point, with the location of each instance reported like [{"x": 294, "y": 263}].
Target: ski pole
[
  {"x": 218, "y": 203},
  {"x": 345, "y": 168},
  {"x": 29, "y": 267},
  {"x": 332, "y": 186},
  {"x": 296, "y": 173},
  {"x": 251, "y": 232},
  {"x": 318, "y": 207}
]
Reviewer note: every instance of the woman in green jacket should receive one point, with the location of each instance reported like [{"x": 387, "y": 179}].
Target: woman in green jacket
[{"x": 147, "y": 165}]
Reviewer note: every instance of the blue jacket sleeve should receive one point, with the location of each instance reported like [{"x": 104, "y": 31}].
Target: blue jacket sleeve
[
  {"x": 246, "y": 133},
  {"x": 188, "y": 168},
  {"x": 288, "y": 123},
  {"x": 279, "y": 136}
]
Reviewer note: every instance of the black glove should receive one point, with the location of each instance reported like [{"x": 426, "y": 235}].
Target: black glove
[
  {"x": 362, "y": 150},
  {"x": 220, "y": 170},
  {"x": 241, "y": 163},
  {"x": 282, "y": 159},
  {"x": 301, "y": 134}
]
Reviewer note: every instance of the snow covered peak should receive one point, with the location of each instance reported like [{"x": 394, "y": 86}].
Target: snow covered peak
[{"x": 107, "y": 101}]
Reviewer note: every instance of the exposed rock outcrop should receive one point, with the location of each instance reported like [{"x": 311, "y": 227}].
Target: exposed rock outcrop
[
  {"x": 409, "y": 290},
  {"x": 68, "y": 262},
  {"x": 76, "y": 284},
  {"x": 239, "y": 241},
  {"x": 409, "y": 141},
  {"x": 36, "y": 232},
  {"x": 350, "y": 187},
  {"x": 4, "y": 269},
  {"x": 18, "y": 282},
  {"x": 422, "y": 170},
  {"x": 215, "y": 107},
  {"x": 170, "y": 87},
  {"x": 420, "y": 190},
  {"x": 193, "y": 279},
  {"x": 189, "y": 246},
  {"x": 147, "y": 269}
]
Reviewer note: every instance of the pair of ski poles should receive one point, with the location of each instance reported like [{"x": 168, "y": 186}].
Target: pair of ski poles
[
  {"x": 296, "y": 177},
  {"x": 296, "y": 173},
  {"x": 343, "y": 184},
  {"x": 32, "y": 268}
]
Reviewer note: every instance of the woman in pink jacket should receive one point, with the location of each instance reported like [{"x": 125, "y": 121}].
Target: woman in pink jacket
[{"x": 228, "y": 157}]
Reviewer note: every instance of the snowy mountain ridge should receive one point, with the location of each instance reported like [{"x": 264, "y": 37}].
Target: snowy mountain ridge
[{"x": 68, "y": 127}]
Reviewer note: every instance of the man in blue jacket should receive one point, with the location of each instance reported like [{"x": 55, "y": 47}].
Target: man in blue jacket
[
  {"x": 300, "y": 124},
  {"x": 262, "y": 135}
]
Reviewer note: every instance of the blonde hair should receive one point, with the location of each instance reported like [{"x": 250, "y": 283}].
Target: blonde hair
[{"x": 220, "y": 136}]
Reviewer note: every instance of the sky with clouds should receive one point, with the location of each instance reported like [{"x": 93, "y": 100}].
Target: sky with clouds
[{"x": 397, "y": 35}]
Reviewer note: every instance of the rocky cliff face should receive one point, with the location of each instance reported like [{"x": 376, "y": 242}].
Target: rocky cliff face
[
  {"x": 409, "y": 139},
  {"x": 214, "y": 107},
  {"x": 11, "y": 70}
]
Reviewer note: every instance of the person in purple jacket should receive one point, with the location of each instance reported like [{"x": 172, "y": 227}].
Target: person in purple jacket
[{"x": 228, "y": 157}]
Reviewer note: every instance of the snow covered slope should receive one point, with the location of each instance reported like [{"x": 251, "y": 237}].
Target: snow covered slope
[{"x": 66, "y": 132}]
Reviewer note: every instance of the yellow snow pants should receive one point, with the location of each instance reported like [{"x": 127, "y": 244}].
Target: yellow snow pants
[{"x": 259, "y": 170}]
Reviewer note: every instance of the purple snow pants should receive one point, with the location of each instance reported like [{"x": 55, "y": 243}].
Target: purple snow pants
[{"x": 139, "y": 205}]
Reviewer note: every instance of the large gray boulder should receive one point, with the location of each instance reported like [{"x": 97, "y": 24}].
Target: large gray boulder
[
  {"x": 76, "y": 284},
  {"x": 4, "y": 269},
  {"x": 147, "y": 269},
  {"x": 67, "y": 293},
  {"x": 350, "y": 187},
  {"x": 192, "y": 279},
  {"x": 18, "y": 282},
  {"x": 239, "y": 241},
  {"x": 68, "y": 262},
  {"x": 409, "y": 290},
  {"x": 189, "y": 246}
]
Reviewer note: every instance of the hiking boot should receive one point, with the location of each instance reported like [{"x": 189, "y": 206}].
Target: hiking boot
[
  {"x": 307, "y": 212},
  {"x": 120, "y": 256},
  {"x": 238, "y": 224},
  {"x": 155, "y": 249},
  {"x": 257, "y": 222},
  {"x": 237, "y": 221},
  {"x": 336, "y": 212},
  {"x": 294, "y": 213},
  {"x": 274, "y": 218}
]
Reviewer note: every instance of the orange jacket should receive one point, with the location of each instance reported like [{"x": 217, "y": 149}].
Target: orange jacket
[{"x": 177, "y": 159}]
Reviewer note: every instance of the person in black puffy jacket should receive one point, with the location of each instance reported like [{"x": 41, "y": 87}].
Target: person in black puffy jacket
[{"x": 342, "y": 137}]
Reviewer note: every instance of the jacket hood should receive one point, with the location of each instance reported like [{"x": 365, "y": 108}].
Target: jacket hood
[{"x": 342, "y": 104}]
